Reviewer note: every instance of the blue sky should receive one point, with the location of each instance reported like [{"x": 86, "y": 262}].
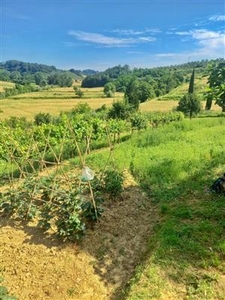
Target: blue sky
[{"x": 98, "y": 34}]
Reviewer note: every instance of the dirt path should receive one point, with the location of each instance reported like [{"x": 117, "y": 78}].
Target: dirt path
[{"x": 37, "y": 266}]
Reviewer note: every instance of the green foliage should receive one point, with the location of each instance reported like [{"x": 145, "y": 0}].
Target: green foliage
[
  {"x": 120, "y": 110},
  {"x": 217, "y": 84},
  {"x": 4, "y": 294},
  {"x": 78, "y": 92},
  {"x": 113, "y": 182},
  {"x": 191, "y": 84},
  {"x": 190, "y": 105},
  {"x": 138, "y": 121},
  {"x": 42, "y": 118},
  {"x": 97, "y": 80},
  {"x": 19, "y": 89},
  {"x": 109, "y": 89},
  {"x": 176, "y": 164},
  {"x": 48, "y": 201},
  {"x": 137, "y": 92}
]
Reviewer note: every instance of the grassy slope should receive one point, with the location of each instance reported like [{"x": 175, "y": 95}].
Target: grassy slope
[
  {"x": 177, "y": 93},
  {"x": 176, "y": 165}
]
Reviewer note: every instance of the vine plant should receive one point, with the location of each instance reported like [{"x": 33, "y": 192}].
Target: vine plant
[{"x": 55, "y": 198}]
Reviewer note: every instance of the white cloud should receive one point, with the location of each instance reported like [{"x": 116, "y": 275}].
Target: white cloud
[
  {"x": 109, "y": 41},
  {"x": 217, "y": 18},
  {"x": 136, "y": 32},
  {"x": 127, "y": 32},
  {"x": 207, "y": 39},
  {"x": 146, "y": 39},
  {"x": 209, "y": 45}
]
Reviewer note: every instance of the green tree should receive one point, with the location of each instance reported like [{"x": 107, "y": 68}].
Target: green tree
[
  {"x": 109, "y": 89},
  {"x": 190, "y": 104},
  {"x": 78, "y": 92},
  {"x": 137, "y": 91},
  {"x": 120, "y": 110},
  {"x": 41, "y": 78},
  {"x": 42, "y": 118},
  {"x": 192, "y": 82},
  {"x": 217, "y": 85}
]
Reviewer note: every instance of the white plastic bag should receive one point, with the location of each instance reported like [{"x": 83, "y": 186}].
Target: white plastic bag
[{"x": 87, "y": 174}]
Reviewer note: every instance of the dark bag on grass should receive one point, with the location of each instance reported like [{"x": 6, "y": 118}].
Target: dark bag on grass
[{"x": 218, "y": 186}]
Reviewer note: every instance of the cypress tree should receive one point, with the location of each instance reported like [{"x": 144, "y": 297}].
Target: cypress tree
[{"x": 191, "y": 84}]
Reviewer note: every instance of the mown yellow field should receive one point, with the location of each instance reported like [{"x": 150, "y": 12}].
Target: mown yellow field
[
  {"x": 28, "y": 108},
  {"x": 5, "y": 84},
  {"x": 59, "y": 99}
]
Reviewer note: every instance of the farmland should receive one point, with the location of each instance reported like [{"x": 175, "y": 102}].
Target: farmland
[
  {"x": 161, "y": 238},
  {"x": 63, "y": 99}
]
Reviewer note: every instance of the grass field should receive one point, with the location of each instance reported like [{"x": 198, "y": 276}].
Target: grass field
[
  {"x": 176, "y": 165},
  {"x": 177, "y": 93}
]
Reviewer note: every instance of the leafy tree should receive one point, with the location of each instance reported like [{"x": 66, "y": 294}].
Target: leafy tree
[
  {"x": 4, "y": 75},
  {"x": 190, "y": 103},
  {"x": 82, "y": 108},
  {"x": 41, "y": 78},
  {"x": 209, "y": 99},
  {"x": 42, "y": 118},
  {"x": 78, "y": 92},
  {"x": 138, "y": 121},
  {"x": 15, "y": 76},
  {"x": 120, "y": 110},
  {"x": 60, "y": 78},
  {"x": 109, "y": 89},
  {"x": 98, "y": 80},
  {"x": 137, "y": 92},
  {"x": 217, "y": 85}
]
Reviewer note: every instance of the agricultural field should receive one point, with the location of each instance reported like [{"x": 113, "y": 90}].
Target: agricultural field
[
  {"x": 63, "y": 99},
  {"x": 153, "y": 230},
  {"x": 161, "y": 238},
  {"x": 53, "y": 101},
  {"x": 5, "y": 84}
]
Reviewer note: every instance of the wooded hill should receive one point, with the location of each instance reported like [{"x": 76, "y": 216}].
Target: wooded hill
[
  {"x": 160, "y": 80},
  {"x": 25, "y": 73}
]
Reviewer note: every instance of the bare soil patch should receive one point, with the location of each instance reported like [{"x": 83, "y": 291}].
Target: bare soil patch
[{"x": 39, "y": 266}]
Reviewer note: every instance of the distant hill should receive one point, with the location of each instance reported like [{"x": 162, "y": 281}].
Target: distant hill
[
  {"x": 25, "y": 73},
  {"x": 85, "y": 72},
  {"x": 25, "y": 67}
]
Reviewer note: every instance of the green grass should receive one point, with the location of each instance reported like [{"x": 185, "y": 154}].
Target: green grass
[{"x": 176, "y": 165}]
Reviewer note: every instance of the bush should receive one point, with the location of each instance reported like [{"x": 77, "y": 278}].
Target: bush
[{"x": 113, "y": 183}]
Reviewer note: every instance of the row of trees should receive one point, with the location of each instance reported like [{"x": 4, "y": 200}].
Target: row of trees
[{"x": 160, "y": 82}]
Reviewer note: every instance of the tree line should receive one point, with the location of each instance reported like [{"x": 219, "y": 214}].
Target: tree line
[{"x": 42, "y": 75}]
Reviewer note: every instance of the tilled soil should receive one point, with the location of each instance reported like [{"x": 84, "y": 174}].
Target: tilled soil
[{"x": 38, "y": 266}]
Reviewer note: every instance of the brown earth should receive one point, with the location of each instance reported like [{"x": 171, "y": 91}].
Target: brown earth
[{"x": 38, "y": 266}]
